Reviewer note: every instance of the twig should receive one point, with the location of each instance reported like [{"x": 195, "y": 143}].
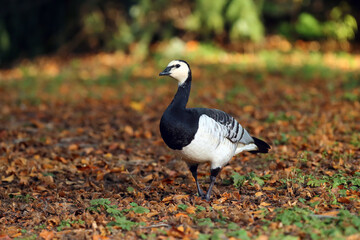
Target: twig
[
  {"x": 134, "y": 181},
  {"x": 152, "y": 181},
  {"x": 323, "y": 216},
  {"x": 156, "y": 226}
]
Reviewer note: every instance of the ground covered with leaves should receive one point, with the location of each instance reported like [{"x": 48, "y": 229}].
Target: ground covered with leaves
[{"x": 81, "y": 155}]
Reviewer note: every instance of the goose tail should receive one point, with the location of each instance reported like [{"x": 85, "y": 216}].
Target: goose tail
[{"x": 262, "y": 147}]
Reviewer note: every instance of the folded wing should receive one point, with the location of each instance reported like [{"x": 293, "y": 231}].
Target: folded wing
[{"x": 230, "y": 128}]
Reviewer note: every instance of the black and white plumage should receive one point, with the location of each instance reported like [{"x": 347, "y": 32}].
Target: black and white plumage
[{"x": 201, "y": 135}]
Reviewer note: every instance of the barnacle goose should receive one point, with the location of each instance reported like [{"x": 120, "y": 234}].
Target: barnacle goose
[{"x": 201, "y": 135}]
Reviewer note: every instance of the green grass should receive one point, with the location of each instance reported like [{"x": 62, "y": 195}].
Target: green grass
[
  {"x": 22, "y": 198},
  {"x": 104, "y": 205},
  {"x": 183, "y": 207},
  {"x": 251, "y": 178},
  {"x": 319, "y": 226},
  {"x": 68, "y": 223}
]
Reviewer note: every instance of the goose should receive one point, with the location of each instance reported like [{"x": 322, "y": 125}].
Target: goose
[{"x": 202, "y": 135}]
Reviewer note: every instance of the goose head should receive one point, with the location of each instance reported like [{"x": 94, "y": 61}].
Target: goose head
[{"x": 177, "y": 69}]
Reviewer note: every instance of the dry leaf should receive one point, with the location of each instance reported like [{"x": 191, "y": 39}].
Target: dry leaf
[
  {"x": 129, "y": 130},
  {"x": 190, "y": 210},
  {"x": 138, "y": 106},
  {"x": 344, "y": 200},
  {"x": 331, "y": 213},
  {"x": 4, "y": 237},
  {"x": 265, "y": 204},
  {"x": 181, "y": 214},
  {"x": 73, "y": 147},
  {"x": 8, "y": 179},
  {"x": 24, "y": 180},
  {"x": 47, "y": 235}
]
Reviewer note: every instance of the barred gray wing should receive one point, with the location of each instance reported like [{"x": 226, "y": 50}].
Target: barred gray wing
[{"x": 231, "y": 128}]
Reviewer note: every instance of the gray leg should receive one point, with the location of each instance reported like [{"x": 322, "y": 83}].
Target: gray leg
[
  {"x": 193, "y": 169},
  {"x": 214, "y": 173}
]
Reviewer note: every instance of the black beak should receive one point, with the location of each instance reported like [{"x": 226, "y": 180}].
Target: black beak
[{"x": 165, "y": 72}]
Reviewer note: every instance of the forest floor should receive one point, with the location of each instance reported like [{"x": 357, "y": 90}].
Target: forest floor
[{"x": 81, "y": 155}]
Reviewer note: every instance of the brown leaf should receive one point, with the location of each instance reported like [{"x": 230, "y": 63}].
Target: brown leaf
[
  {"x": 181, "y": 214},
  {"x": 53, "y": 221},
  {"x": 12, "y": 230},
  {"x": 262, "y": 237},
  {"x": 344, "y": 200},
  {"x": 147, "y": 178},
  {"x": 180, "y": 197},
  {"x": 113, "y": 146},
  {"x": 353, "y": 237},
  {"x": 24, "y": 180},
  {"x": 190, "y": 210},
  {"x": 61, "y": 159},
  {"x": 174, "y": 232},
  {"x": 100, "y": 237},
  {"x": 41, "y": 188},
  {"x": 218, "y": 207},
  {"x": 331, "y": 213},
  {"x": 4, "y": 237},
  {"x": 151, "y": 214},
  {"x": 16, "y": 235},
  {"x": 8, "y": 179},
  {"x": 167, "y": 199},
  {"x": 47, "y": 235},
  {"x": 129, "y": 130},
  {"x": 147, "y": 134},
  {"x": 265, "y": 204},
  {"x": 269, "y": 188},
  {"x": 73, "y": 147}
]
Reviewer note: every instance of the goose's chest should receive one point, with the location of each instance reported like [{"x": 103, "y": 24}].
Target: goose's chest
[
  {"x": 178, "y": 130},
  {"x": 208, "y": 145}
]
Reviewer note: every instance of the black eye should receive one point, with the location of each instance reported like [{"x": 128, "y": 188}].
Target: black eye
[{"x": 177, "y": 65}]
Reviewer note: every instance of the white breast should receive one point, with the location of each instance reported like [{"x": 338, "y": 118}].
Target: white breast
[{"x": 209, "y": 144}]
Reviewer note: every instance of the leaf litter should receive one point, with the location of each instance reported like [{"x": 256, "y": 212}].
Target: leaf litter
[{"x": 81, "y": 166}]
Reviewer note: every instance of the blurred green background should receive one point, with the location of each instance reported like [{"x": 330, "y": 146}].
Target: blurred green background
[{"x": 62, "y": 27}]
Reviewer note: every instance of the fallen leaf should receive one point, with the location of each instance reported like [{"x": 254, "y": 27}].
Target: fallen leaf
[
  {"x": 129, "y": 130},
  {"x": 167, "y": 199},
  {"x": 190, "y": 210},
  {"x": 181, "y": 214},
  {"x": 100, "y": 237},
  {"x": 180, "y": 228},
  {"x": 265, "y": 204},
  {"x": 24, "y": 180},
  {"x": 344, "y": 200},
  {"x": 218, "y": 207},
  {"x": 73, "y": 147},
  {"x": 138, "y": 106},
  {"x": 262, "y": 237},
  {"x": 16, "y": 235},
  {"x": 47, "y": 235},
  {"x": 8, "y": 179},
  {"x": 331, "y": 213},
  {"x": 4, "y": 237}
]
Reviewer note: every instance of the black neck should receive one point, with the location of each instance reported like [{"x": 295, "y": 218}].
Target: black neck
[{"x": 182, "y": 95}]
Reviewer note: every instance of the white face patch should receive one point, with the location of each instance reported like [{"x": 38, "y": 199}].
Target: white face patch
[{"x": 179, "y": 71}]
